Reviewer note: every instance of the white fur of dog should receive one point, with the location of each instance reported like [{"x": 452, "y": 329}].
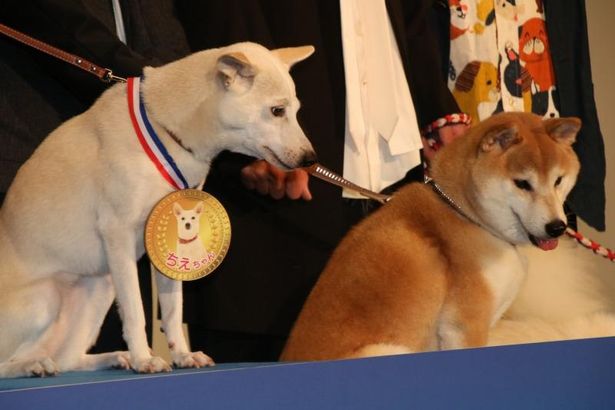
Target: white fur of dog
[
  {"x": 71, "y": 226},
  {"x": 569, "y": 293}
]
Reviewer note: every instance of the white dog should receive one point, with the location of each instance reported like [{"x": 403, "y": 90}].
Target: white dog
[
  {"x": 189, "y": 244},
  {"x": 71, "y": 227}
]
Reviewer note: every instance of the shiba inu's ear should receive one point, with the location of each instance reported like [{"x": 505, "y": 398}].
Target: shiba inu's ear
[
  {"x": 177, "y": 209},
  {"x": 199, "y": 207},
  {"x": 232, "y": 65},
  {"x": 563, "y": 129},
  {"x": 502, "y": 136},
  {"x": 292, "y": 55}
]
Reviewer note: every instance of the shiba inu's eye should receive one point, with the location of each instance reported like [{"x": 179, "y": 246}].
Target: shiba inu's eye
[
  {"x": 278, "y": 111},
  {"x": 523, "y": 184},
  {"x": 558, "y": 181}
]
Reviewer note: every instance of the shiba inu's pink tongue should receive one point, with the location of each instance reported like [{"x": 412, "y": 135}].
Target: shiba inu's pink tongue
[{"x": 546, "y": 244}]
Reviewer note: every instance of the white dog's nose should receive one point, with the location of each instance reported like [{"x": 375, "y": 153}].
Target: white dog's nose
[
  {"x": 309, "y": 158},
  {"x": 187, "y": 225}
]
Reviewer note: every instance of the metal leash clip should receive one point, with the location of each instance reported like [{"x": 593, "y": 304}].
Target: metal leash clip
[{"x": 109, "y": 77}]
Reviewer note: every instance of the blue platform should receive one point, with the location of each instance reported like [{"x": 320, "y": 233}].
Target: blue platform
[{"x": 562, "y": 375}]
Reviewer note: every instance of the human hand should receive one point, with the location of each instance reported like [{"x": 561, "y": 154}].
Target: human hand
[
  {"x": 445, "y": 136},
  {"x": 270, "y": 180}
]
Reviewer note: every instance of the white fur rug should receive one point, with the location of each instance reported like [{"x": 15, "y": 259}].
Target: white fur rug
[{"x": 569, "y": 294}]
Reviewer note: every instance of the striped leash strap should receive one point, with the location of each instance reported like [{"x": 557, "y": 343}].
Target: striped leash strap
[
  {"x": 591, "y": 245},
  {"x": 331, "y": 177}
]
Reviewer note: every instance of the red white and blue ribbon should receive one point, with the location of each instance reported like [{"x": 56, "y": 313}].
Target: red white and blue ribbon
[{"x": 148, "y": 138}]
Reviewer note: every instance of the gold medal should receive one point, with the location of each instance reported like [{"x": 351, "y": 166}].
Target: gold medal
[{"x": 187, "y": 234}]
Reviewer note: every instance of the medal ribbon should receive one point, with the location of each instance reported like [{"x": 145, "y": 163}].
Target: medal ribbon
[{"x": 148, "y": 138}]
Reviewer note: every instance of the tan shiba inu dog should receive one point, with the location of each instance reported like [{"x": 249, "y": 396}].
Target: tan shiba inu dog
[
  {"x": 438, "y": 265},
  {"x": 71, "y": 227}
]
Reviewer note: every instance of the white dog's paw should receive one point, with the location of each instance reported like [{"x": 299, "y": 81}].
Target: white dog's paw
[
  {"x": 121, "y": 360},
  {"x": 192, "y": 359},
  {"x": 40, "y": 367},
  {"x": 152, "y": 364}
]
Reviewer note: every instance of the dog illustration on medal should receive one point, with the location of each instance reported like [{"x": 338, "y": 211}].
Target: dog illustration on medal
[
  {"x": 190, "y": 251},
  {"x": 187, "y": 234}
]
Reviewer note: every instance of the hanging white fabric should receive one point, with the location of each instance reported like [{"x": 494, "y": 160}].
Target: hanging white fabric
[
  {"x": 382, "y": 134},
  {"x": 119, "y": 21}
]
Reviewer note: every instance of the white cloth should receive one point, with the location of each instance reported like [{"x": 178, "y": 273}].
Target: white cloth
[
  {"x": 119, "y": 20},
  {"x": 382, "y": 139}
]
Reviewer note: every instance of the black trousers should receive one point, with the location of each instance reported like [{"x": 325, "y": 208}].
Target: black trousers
[{"x": 232, "y": 347}]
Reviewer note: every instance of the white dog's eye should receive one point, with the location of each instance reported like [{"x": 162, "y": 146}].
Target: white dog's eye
[
  {"x": 523, "y": 184},
  {"x": 183, "y": 219},
  {"x": 558, "y": 181},
  {"x": 278, "y": 111}
]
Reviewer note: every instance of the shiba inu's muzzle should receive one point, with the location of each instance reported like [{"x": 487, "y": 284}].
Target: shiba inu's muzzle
[{"x": 554, "y": 229}]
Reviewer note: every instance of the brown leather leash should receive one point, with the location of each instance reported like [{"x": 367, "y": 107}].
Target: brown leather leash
[{"x": 104, "y": 74}]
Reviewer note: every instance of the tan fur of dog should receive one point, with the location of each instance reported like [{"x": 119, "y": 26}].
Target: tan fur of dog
[
  {"x": 71, "y": 227},
  {"x": 417, "y": 275}
]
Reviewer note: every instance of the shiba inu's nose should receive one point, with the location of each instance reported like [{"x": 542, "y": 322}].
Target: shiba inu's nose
[
  {"x": 555, "y": 228},
  {"x": 309, "y": 159}
]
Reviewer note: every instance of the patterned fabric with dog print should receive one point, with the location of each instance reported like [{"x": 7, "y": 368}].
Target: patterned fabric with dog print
[{"x": 500, "y": 58}]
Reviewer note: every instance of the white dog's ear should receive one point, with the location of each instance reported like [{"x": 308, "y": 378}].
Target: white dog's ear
[
  {"x": 292, "y": 55},
  {"x": 563, "y": 130},
  {"x": 235, "y": 65},
  {"x": 502, "y": 136},
  {"x": 177, "y": 209},
  {"x": 199, "y": 207}
]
